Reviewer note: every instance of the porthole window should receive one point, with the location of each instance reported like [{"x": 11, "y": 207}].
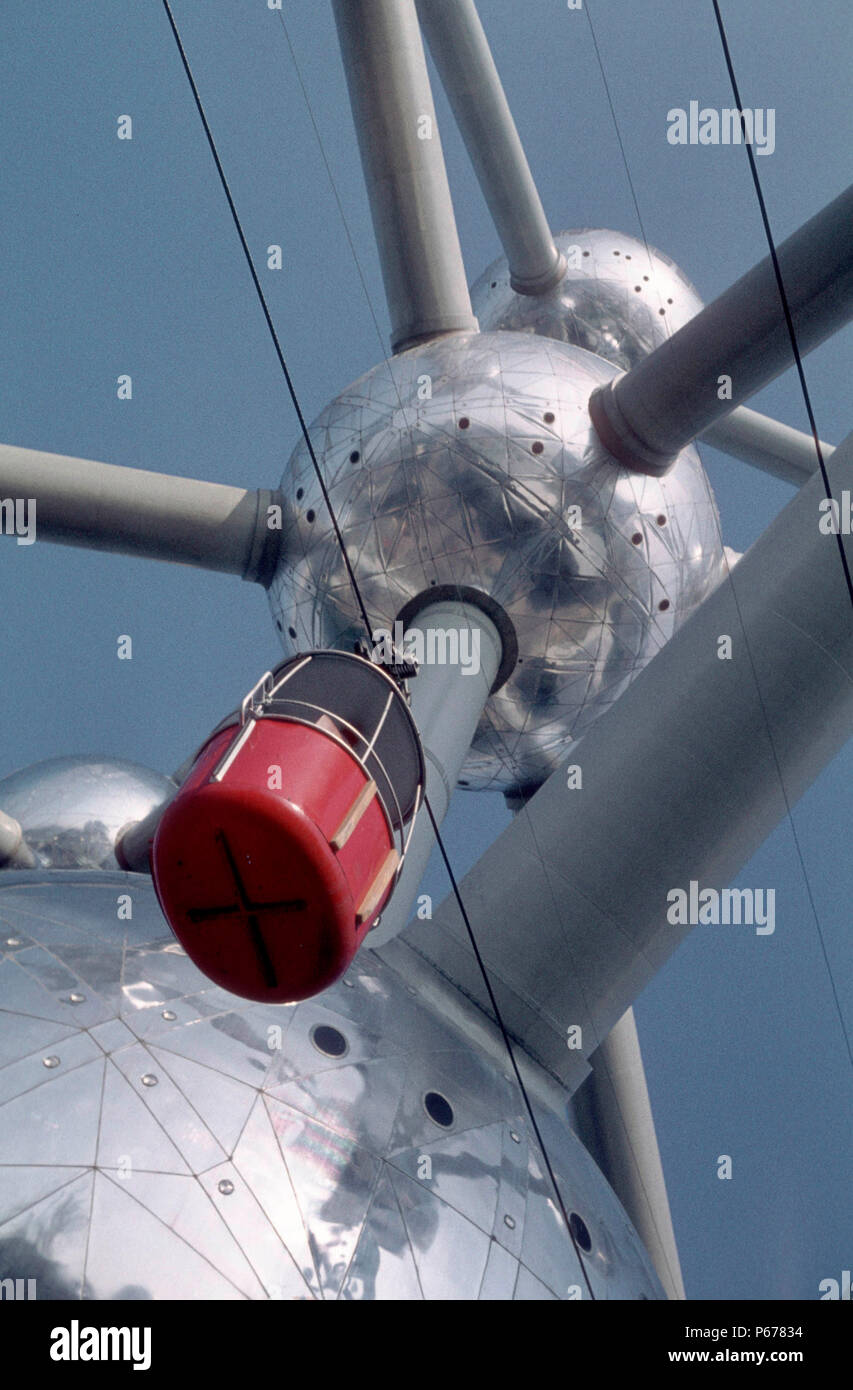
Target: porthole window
[
  {"x": 580, "y": 1231},
  {"x": 330, "y": 1041},
  {"x": 439, "y": 1109}
]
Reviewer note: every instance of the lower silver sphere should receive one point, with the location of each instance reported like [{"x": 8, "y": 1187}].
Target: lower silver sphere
[
  {"x": 71, "y": 809},
  {"x": 470, "y": 461},
  {"x": 619, "y": 298},
  {"x": 161, "y": 1138}
]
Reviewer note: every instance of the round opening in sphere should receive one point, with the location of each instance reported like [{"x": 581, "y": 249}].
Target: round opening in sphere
[
  {"x": 439, "y": 1109},
  {"x": 580, "y": 1231},
  {"x": 329, "y": 1041}
]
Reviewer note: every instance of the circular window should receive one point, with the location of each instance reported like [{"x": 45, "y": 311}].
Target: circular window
[
  {"x": 328, "y": 1040},
  {"x": 580, "y": 1231},
  {"x": 439, "y": 1109}
]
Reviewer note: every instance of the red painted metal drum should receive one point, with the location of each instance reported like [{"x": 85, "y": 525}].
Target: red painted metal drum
[{"x": 278, "y": 853}]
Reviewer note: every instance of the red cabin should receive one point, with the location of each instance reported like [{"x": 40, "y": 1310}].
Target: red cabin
[{"x": 286, "y": 839}]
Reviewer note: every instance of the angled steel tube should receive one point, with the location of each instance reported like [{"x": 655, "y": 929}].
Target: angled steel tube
[
  {"x": 682, "y": 780},
  {"x": 401, "y": 155},
  {"x": 133, "y": 512},
  {"x": 651, "y": 412},
  {"x": 613, "y": 1115},
  {"x": 461, "y": 53},
  {"x": 447, "y": 701},
  {"x": 767, "y": 444}
]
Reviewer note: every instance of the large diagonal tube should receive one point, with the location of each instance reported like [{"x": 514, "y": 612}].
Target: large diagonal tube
[
  {"x": 733, "y": 347},
  {"x": 682, "y": 781},
  {"x": 403, "y": 164},
  {"x": 134, "y": 512},
  {"x": 461, "y": 53}
]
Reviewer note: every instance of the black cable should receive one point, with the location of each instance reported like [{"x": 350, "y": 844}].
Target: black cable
[
  {"x": 507, "y": 1043},
  {"x": 359, "y": 600},
  {"x": 270, "y": 325},
  {"x": 827, "y": 487},
  {"x": 777, "y": 270}
]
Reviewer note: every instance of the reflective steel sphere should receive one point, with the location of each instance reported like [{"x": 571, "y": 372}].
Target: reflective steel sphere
[
  {"x": 161, "y": 1138},
  {"x": 71, "y": 809},
  {"x": 471, "y": 461},
  {"x": 618, "y": 299}
]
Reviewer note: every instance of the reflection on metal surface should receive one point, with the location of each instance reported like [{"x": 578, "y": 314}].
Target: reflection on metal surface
[
  {"x": 464, "y": 462},
  {"x": 258, "y": 1167},
  {"x": 71, "y": 809},
  {"x": 618, "y": 299}
]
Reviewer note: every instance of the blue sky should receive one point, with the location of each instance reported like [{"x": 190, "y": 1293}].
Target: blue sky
[{"x": 120, "y": 257}]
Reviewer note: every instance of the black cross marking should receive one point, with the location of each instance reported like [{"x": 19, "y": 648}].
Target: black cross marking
[{"x": 247, "y": 912}]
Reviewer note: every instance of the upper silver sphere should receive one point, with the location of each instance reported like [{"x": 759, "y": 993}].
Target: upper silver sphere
[
  {"x": 456, "y": 463},
  {"x": 71, "y": 809},
  {"x": 618, "y": 298}
]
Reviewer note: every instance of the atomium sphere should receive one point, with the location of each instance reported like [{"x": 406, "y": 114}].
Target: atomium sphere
[
  {"x": 618, "y": 298},
  {"x": 161, "y": 1138},
  {"x": 71, "y": 809},
  {"x": 470, "y": 461}
]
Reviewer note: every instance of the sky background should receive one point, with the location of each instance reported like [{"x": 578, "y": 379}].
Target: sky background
[{"x": 120, "y": 257}]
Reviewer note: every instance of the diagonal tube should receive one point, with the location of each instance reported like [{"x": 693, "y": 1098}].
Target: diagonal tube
[
  {"x": 646, "y": 416},
  {"x": 461, "y": 53},
  {"x": 401, "y": 155},
  {"x": 133, "y": 512},
  {"x": 682, "y": 781},
  {"x": 767, "y": 444}
]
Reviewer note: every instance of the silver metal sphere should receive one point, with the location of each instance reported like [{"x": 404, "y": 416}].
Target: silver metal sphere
[
  {"x": 71, "y": 809},
  {"x": 618, "y": 298},
  {"x": 458, "y": 463},
  {"x": 161, "y": 1138}
]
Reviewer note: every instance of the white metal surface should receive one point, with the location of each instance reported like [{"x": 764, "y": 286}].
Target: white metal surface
[
  {"x": 767, "y": 444},
  {"x": 615, "y": 1121},
  {"x": 742, "y": 338},
  {"x": 401, "y": 154},
  {"x": 682, "y": 780},
  {"x": 135, "y": 512},
  {"x": 461, "y": 53},
  {"x": 447, "y": 704}
]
